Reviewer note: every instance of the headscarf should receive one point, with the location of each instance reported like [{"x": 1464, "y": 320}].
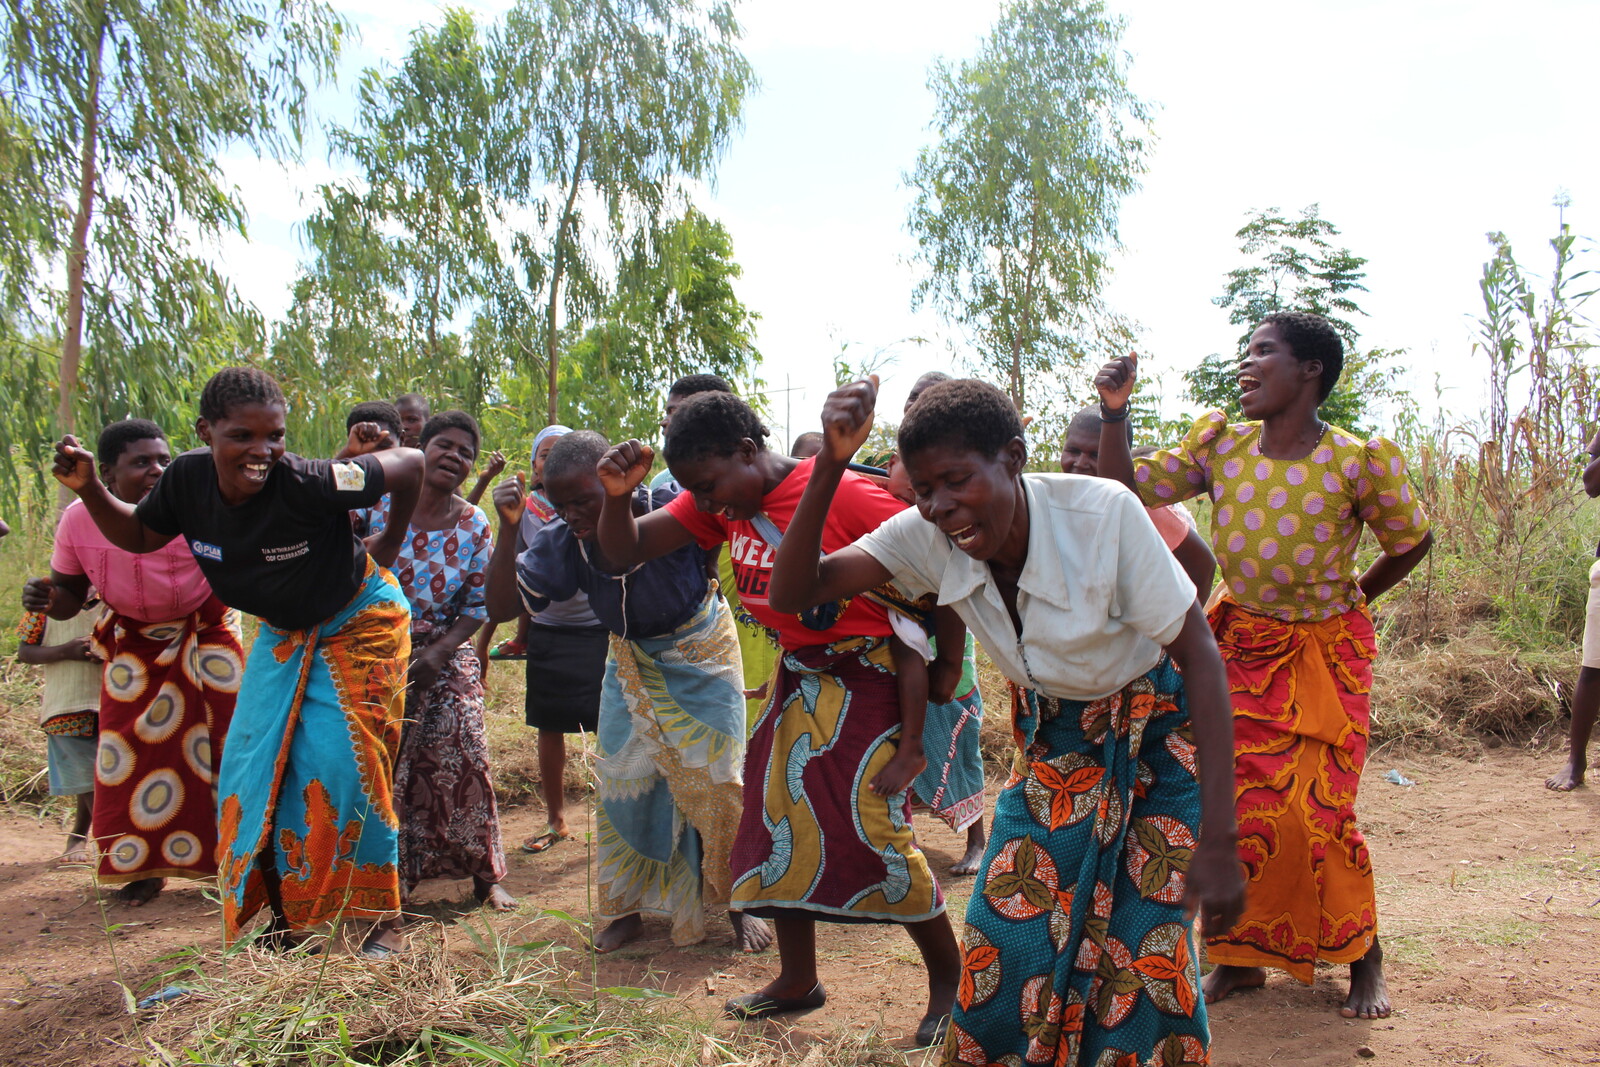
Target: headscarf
[{"x": 554, "y": 430}]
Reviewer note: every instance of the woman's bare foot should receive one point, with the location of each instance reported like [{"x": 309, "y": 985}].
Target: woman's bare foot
[
  {"x": 750, "y": 934},
  {"x": 1568, "y": 778},
  {"x": 138, "y": 894},
  {"x": 1224, "y": 979},
  {"x": 1369, "y": 993},
  {"x": 492, "y": 896},
  {"x": 618, "y": 933},
  {"x": 972, "y": 859},
  {"x": 76, "y": 855}
]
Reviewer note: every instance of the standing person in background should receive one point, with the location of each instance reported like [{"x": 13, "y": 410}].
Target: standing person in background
[
  {"x": 1116, "y": 825},
  {"x": 1080, "y": 454},
  {"x": 566, "y": 650},
  {"x": 758, "y": 648},
  {"x": 173, "y": 662},
  {"x": 817, "y": 843},
  {"x": 1290, "y": 497},
  {"x": 444, "y": 794},
  {"x": 1586, "y": 698},
  {"x": 414, "y": 410},
  {"x": 69, "y": 712},
  {"x": 307, "y": 823}
]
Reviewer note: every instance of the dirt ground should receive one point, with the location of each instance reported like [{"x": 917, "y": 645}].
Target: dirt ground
[{"x": 1489, "y": 900}]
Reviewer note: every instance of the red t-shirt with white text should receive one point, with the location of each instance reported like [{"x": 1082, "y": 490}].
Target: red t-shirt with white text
[{"x": 859, "y": 507}]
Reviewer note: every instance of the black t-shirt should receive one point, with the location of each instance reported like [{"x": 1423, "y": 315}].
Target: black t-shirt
[{"x": 288, "y": 554}]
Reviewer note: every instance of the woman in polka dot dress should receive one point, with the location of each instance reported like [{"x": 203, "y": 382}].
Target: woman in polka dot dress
[{"x": 1290, "y": 496}]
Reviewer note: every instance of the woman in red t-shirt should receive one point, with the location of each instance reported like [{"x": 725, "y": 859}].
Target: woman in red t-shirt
[{"x": 814, "y": 842}]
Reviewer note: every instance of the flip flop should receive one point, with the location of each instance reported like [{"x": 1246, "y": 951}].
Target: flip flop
[
  {"x": 544, "y": 842},
  {"x": 760, "y": 1006}
]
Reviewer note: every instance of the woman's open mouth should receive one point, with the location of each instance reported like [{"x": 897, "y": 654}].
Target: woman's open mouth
[
  {"x": 256, "y": 472},
  {"x": 1248, "y": 384},
  {"x": 963, "y": 537}
]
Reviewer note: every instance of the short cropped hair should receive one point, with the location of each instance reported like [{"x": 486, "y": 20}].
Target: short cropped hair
[
  {"x": 578, "y": 450},
  {"x": 115, "y": 438},
  {"x": 379, "y": 411},
  {"x": 233, "y": 386},
  {"x": 963, "y": 413},
  {"x": 920, "y": 386},
  {"x": 1089, "y": 419},
  {"x": 712, "y": 424},
  {"x": 692, "y": 384},
  {"x": 451, "y": 420},
  {"x": 1312, "y": 337},
  {"x": 413, "y": 398},
  {"x": 808, "y": 436}
]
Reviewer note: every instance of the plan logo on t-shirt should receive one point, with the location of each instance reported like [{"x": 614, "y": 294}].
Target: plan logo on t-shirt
[
  {"x": 205, "y": 551},
  {"x": 349, "y": 477}
]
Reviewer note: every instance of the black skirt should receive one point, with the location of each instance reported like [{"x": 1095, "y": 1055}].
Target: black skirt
[{"x": 566, "y": 667}]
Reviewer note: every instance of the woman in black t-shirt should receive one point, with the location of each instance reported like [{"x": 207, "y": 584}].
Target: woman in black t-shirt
[{"x": 306, "y": 808}]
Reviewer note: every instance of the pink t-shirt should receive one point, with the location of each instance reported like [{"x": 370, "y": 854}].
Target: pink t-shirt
[
  {"x": 1171, "y": 525},
  {"x": 157, "y": 586}
]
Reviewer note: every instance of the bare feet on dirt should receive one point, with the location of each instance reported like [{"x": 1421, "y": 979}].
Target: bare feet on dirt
[
  {"x": 76, "y": 855},
  {"x": 1225, "y": 979},
  {"x": 750, "y": 934},
  {"x": 1568, "y": 778},
  {"x": 1369, "y": 993},
  {"x": 972, "y": 859},
  {"x": 138, "y": 894},
  {"x": 492, "y": 896},
  {"x": 618, "y": 933}
]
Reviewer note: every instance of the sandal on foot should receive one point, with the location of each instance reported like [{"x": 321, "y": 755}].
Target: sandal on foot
[
  {"x": 932, "y": 1031},
  {"x": 759, "y": 1005},
  {"x": 510, "y": 648},
  {"x": 545, "y": 842}
]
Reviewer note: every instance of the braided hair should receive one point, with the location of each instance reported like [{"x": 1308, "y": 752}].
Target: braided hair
[{"x": 236, "y": 386}]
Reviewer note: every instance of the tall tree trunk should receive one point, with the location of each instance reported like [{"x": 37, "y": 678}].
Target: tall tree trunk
[
  {"x": 78, "y": 252},
  {"x": 557, "y": 269}
]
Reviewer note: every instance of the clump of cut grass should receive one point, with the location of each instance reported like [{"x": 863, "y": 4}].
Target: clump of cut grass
[{"x": 462, "y": 998}]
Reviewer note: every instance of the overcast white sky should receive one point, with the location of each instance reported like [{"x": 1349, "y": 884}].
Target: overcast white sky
[{"x": 1418, "y": 126}]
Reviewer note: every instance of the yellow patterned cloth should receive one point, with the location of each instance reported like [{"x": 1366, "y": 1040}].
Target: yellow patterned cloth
[
  {"x": 670, "y": 772},
  {"x": 815, "y": 840},
  {"x": 1285, "y": 532}
]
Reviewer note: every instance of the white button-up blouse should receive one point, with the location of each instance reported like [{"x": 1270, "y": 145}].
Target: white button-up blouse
[{"x": 1099, "y": 595}]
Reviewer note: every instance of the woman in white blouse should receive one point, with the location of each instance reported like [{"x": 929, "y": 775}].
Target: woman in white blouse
[{"x": 1119, "y": 823}]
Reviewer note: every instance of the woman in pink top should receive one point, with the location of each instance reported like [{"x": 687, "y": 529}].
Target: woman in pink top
[{"x": 173, "y": 662}]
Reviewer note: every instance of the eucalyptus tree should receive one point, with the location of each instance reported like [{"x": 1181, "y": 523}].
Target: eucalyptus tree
[
  {"x": 115, "y": 114},
  {"x": 605, "y": 108},
  {"x": 1015, "y": 210},
  {"x": 415, "y": 219}
]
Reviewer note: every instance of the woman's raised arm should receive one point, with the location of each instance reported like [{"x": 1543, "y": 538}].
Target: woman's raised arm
[
  {"x": 74, "y": 468},
  {"x": 800, "y": 577},
  {"x": 628, "y": 540}
]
